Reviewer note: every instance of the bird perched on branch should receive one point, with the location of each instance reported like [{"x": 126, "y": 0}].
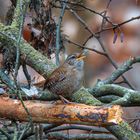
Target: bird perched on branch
[{"x": 68, "y": 77}]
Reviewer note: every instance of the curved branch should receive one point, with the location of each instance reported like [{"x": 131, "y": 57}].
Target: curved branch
[
  {"x": 122, "y": 69},
  {"x": 108, "y": 98},
  {"x": 128, "y": 97},
  {"x": 31, "y": 56},
  {"x": 100, "y": 42},
  {"x": 94, "y": 129},
  {"x": 44, "y": 66}
]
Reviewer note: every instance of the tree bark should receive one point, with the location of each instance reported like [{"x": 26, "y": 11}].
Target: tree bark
[
  {"x": 73, "y": 113},
  {"x": 44, "y": 66}
]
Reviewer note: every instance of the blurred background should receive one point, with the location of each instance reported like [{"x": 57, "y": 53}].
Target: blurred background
[{"x": 98, "y": 66}]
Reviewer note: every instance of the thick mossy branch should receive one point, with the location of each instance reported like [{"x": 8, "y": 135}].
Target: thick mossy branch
[
  {"x": 21, "y": 7},
  {"x": 108, "y": 98},
  {"x": 83, "y": 96},
  {"x": 31, "y": 57},
  {"x": 123, "y": 132},
  {"x": 123, "y": 96},
  {"x": 41, "y": 64},
  {"x": 36, "y": 60}
]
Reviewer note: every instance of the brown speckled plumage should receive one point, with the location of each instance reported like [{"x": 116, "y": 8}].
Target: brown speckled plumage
[{"x": 67, "y": 78}]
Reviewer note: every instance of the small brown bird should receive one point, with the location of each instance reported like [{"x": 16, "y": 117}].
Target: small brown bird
[{"x": 67, "y": 78}]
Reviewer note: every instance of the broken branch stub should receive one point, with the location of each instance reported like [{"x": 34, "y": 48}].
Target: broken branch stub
[{"x": 47, "y": 112}]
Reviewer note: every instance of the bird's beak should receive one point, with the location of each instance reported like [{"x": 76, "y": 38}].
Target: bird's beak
[{"x": 81, "y": 56}]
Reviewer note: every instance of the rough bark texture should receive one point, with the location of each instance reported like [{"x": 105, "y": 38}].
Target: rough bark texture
[
  {"x": 31, "y": 56},
  {"x": 44, "y": 67},
  {"x": 60, "y": 113}
]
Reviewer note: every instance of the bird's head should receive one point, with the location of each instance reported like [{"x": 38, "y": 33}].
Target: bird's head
[{"x": 76, "y": 60}]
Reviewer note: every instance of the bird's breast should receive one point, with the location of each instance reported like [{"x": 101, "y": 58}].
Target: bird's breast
[{"x": 71, "y": 82}]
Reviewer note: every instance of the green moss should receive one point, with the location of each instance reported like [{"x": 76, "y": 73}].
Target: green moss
[
  {"x": 44, "y": 66},
  {"x": 123, "y": 131},
  {"x": 83, "y": 96},
  {"x": 36, "y": 60}
]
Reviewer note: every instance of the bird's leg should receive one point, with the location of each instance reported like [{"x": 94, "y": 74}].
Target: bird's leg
[{"x": 64, "y": 100}]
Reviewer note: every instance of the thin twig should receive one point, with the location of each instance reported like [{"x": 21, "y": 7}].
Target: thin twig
[
  {"x": 88, "y": 9},
  {"x": 15, "y": 131},
  {"x": 113, "y": 63},
  {"x": 83, "y": 47},
  {"x": 21, "y": 8},
  {"x": 58, "y": 26},
  {"x": 99, "y": 40},
  {"x": 118, "y": 25}
]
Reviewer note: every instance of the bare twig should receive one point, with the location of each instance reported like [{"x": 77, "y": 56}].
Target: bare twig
[
  {"x": 99, "y": 40},
  {"x": 113, "y": 63},
  {"x": 58, "y": 26},
  {"x": 83, "y": 47},
  {"x": 86, "y": 128},
  {"x": 118, "y": 25},
  {"x": 88, "y": 9},
  {"x": 20, "y": 11}
]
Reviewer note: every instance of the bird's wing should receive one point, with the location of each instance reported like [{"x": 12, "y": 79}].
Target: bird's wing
[{"x": 57, "y": 76}]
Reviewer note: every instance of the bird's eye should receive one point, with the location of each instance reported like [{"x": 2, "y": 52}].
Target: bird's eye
[{"x": 72, "y": 57}]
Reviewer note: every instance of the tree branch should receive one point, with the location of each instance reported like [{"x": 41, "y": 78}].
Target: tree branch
[
  {"x": 58, "y": 26},
  {"x": 126, "y": 97},
  {"x": 31, "y": 56},
  {"x": 59, "y": 135},
  {"x": 121, "y": 70},
  {"x": 100, "y": 42},
  {"x": 94, "y": 129},
  {"x": 60, "y": 113},
  {"x": 44, "y": 66},
  {"x": 21, "y": 6}
]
